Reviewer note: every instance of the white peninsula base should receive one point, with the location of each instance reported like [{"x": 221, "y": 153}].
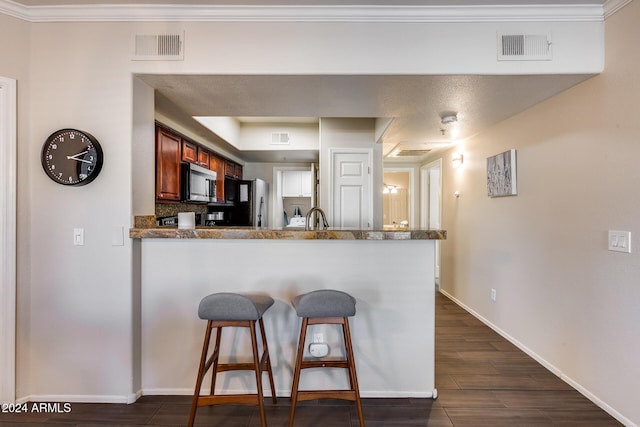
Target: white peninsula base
[{"x": 392, "y": 331}]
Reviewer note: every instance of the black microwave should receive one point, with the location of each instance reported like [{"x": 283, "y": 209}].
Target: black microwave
[{"x": 197, "y": 184}]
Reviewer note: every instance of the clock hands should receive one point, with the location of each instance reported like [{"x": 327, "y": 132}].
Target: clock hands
[{"x": 75, "y": 157}]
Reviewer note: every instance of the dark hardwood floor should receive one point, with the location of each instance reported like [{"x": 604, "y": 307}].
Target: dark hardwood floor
[{"x": 482, "y": 380}]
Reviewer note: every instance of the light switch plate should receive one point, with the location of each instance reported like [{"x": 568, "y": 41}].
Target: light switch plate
[
  {"x": 620, "y": 241},
  {"x": 78, "y": 236}
]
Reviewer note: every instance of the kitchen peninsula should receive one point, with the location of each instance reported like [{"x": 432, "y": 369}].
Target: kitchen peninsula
[{"x": 390, "y": 273}]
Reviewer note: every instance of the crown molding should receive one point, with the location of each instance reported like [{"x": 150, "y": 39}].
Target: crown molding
[
  {"x": 217, "y": 13},
  {"x": 612, "y": 6}
]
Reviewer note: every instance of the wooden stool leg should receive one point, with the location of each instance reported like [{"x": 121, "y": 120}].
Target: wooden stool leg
[
  {"x": 296, "y": 370},
  {"x": 257, "y": 363},
  {"x": 201, "y": 374},
  {"x": 352, "y": 368},
  {"x": 216, "y": 350},
  {"x": 265, "y": 351}
]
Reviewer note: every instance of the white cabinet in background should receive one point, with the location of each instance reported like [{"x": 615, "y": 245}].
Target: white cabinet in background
[{"x": 297, "y": 184}]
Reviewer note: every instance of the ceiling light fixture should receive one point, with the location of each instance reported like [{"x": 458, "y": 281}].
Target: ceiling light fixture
[{"x": 449, "y": 118}]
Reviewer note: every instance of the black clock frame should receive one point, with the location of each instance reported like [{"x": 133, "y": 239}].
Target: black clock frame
[{"x": 75, "y": 166}]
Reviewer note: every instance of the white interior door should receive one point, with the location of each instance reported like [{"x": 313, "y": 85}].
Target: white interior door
[
  {"x": 8, "y": 239},
  {"x": 351, "y": 185}
]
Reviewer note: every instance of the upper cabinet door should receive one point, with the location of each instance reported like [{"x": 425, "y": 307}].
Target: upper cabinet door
[
  {"x": 217, "y": 164},
  {"x": 189, "y": 152},
  {"x": 306, "y": 183},
  {"x": 167, "y": 166},
  {"x": 297, "y": 184},
  {"x": 203, "y": 157},
  {"x": 232, "y": 169}
]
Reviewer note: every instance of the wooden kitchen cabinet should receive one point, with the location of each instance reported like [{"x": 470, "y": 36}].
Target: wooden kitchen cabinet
[
  {"x": 189, "y": 151},
  {"x": 172, "y": 149},
  {"x": 203, "y": 157},
  {"x": 194, "y": 153},
  {"x": 297, "y": 184},
  {"x": 168, "y": 149},
  {"x": 233, "y": 169},
  {"x": 217, "y": 164}
]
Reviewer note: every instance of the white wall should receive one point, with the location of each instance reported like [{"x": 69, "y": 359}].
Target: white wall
[
  {"x": 560, "y": 293},
  {"x": 78, "y": 305},
  {"x": 349, "y": 133},
  {"x": 143, "y": 169},
  {"x": 81, "y": 341},
  {"x": 14, "y": 64},
  {"x": 257, "y": 136}
]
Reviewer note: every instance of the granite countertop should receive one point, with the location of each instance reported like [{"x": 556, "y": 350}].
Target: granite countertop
[{"x": 145, "y": 228}]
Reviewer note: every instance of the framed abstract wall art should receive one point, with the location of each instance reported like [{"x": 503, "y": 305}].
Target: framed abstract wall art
[{"x": 501, "y": 174}]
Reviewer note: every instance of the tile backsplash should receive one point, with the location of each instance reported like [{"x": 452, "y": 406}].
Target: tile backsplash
[{"x": 172, "y": 209}]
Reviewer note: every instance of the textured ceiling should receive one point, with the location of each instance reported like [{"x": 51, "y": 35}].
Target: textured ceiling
[{"x": 415, "y": 103}]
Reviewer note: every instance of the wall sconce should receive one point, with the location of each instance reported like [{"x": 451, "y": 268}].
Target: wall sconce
[{"x": 457, "y": 159}]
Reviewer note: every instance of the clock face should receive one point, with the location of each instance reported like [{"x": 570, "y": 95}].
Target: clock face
[{"x": 71, "y": 157}]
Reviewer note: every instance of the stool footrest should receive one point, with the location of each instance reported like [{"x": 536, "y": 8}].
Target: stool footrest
[
  {"x": 324, "y": 364},
  {"x": 326, "y": 394},
  {"x": 221, "y": 399},
  {"x": 223, "y": 367}
]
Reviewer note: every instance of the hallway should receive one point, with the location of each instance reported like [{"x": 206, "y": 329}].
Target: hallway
[{"x": 482, "y": 380}]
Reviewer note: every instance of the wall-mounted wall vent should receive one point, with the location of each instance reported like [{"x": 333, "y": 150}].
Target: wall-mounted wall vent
[
  {"x": 524, "y": 47},
  {"x": 159, "y": 47},
  {"x": 280, "y": 138}
]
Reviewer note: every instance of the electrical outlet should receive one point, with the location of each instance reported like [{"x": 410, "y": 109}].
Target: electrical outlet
[
  {"x": 318, "y": 349},
  {"x": 493, "y": 295}
]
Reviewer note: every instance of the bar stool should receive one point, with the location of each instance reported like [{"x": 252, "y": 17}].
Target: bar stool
[
  {"x": 325, "y": 307},
  {"x": 233, "y": 310}
]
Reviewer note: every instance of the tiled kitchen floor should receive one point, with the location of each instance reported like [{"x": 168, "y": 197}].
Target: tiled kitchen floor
[{"x": 482, "y": 380}]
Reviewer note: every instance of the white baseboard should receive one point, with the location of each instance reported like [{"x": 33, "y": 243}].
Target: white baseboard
[
  {"x": 592, "y": 397},
  {"x": 81, "y": 398}
]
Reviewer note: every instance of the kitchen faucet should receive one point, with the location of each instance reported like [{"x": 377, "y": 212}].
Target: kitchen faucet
[{"x": 325, "y": 224}]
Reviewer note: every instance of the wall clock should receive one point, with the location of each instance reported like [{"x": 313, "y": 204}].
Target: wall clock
[{"x": 71, "y": 157}]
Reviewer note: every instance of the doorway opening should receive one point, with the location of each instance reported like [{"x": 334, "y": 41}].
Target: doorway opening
[
  {"x": 431, "y": 205},
  {"x": 397, "y": 198}
]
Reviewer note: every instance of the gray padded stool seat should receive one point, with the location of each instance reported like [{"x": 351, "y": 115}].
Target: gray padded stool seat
[
  {"x": 325, "y": 303},
  {"x": 325, "y": 306},
  {"x": 227, "y": 309},
  {"x": 230, "y": 306}
]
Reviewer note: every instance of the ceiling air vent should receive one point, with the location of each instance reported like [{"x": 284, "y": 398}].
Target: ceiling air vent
[
  {"x": 524, "y": 47},
  {"x": 159, "y": 47},
  {"x": 280, "y": 138},
  {"x": 410, "y": 153},
  {"x": 412, "y": 149}
]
